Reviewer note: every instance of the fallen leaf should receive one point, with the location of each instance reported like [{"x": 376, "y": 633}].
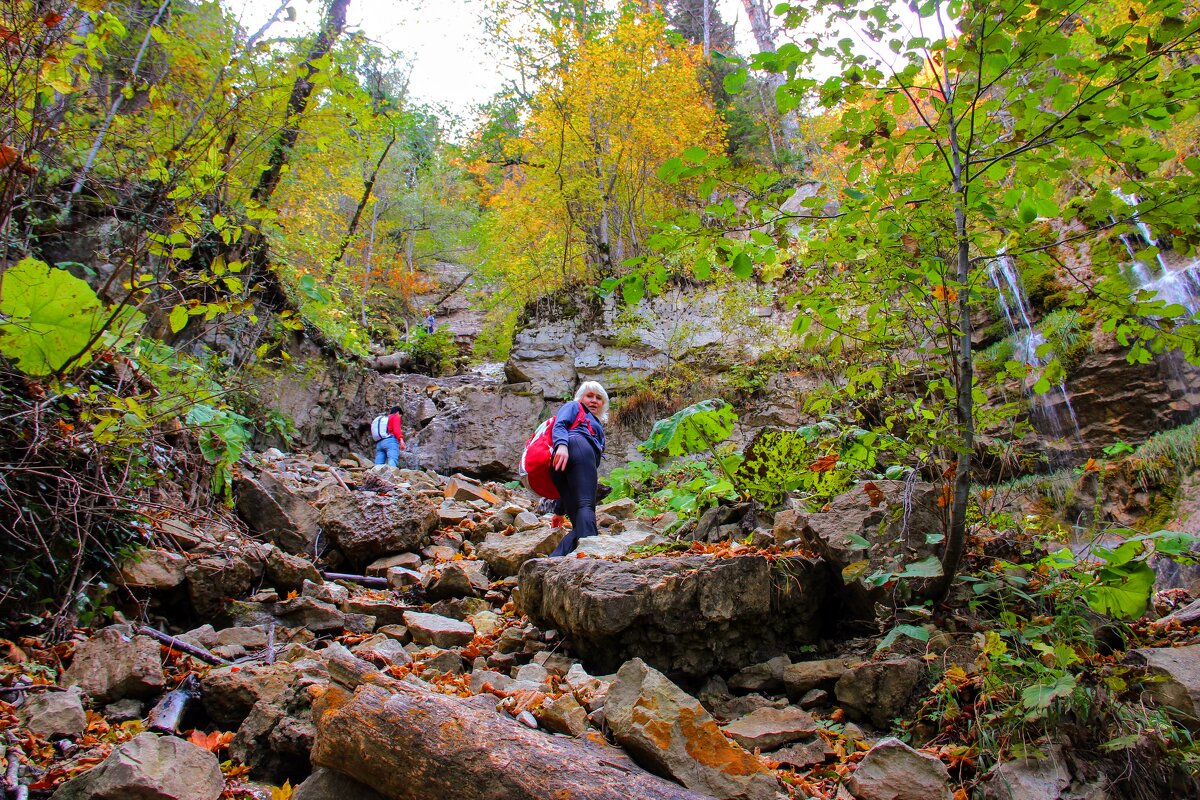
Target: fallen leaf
[
  {"x": 874, "y": 493},
  {"x": 824, "y": 463}
]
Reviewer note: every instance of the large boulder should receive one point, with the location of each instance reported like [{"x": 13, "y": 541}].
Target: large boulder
[
  {"x": 365, "y": 526},
  {"x": 219, "y": 576},
  {"x": 149, "y": 767},
  {"x": 669, "y": 732},
  {"x": 228, "y": 693},
  {"x": 692, "y": 614},
  {"x": 471, "y": 428},
  {"x": 506, "y": 552},
  {"x": 53, "y": 715},
  {"x": 154, "y": 569},
  {"x": 271, "y": 510},
  {"x": 115, "y": 664},
  {"x": 876, "y": 526},
  {"x": 879, "y": 691}
]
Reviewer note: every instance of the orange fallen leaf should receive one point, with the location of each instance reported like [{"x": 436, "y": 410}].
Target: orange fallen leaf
[
  {"x": 824, "y": 463},
  {"x": 874, "y": 493},
  {"x": 52, "y": 19}
]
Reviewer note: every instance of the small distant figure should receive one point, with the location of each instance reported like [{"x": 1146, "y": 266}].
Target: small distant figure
[
  {"x": 430, "y": 323},
  {"x": 389, "y": 437}
]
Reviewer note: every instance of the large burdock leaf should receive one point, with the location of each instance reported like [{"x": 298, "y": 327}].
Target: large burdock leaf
[
  {"x": 691, "y": 430},
  {"x": 50, "y": 316}
]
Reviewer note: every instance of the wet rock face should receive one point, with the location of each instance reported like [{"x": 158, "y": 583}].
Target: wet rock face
[{"x": 691, "y": 615}]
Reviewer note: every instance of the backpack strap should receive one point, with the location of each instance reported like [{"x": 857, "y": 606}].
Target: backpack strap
[{"x": 581, "y": 417}]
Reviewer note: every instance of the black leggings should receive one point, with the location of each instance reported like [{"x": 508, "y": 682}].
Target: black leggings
[{"x": 577, "y": 485}]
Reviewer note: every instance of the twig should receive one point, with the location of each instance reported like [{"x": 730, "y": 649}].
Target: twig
[
  {"x": 12, "y": 755},
  {"x": 182, "y": 646}
]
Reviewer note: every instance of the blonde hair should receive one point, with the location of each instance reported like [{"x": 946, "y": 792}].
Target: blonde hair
[{"x": 595, "y": 387}]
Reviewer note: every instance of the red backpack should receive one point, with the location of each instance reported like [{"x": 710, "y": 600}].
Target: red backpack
[{"x": 534, "y": 470}]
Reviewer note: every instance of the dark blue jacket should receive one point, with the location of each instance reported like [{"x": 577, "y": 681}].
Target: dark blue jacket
[{"x": 565, "y": 418}]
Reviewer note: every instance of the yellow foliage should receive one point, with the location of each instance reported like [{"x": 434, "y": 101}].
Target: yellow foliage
[{"x": 586, "y": 193}]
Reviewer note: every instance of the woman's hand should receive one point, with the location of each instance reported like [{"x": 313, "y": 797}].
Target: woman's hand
[{"x": 559, "y": 462}]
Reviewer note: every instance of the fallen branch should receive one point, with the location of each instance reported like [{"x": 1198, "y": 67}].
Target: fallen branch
[
  {"x": 182, "y": 646},
  {"x": 362, "y": 580},
  {"x": 166, "y": 716}
]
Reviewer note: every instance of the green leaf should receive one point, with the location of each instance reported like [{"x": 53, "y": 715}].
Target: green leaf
[
  {"x": 911, "y": 631},
  {"x": 858, "y": 542},
  {"x": 735, "y": 81},
  {"x": 691, "y": 430},
  {"x": 178, "y": 318},
  {"x": 742, "y": 266},
  {"x": 1039, "y": 697},
  {"x": 929, "y": 567},
  {"x": 52, "y": 315},
  {"x": 1122, "y": 592}
]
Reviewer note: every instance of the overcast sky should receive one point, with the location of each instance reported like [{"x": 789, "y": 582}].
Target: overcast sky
[{"x": 443, "y": 40}]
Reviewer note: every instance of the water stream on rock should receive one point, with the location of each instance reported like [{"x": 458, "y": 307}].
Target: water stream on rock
[
  {"x": 1174, "y": 285},
  {"x": 1051, "y": 413}
]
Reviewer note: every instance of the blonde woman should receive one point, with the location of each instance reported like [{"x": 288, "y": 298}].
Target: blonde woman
[{"x": 578, "y": 444}]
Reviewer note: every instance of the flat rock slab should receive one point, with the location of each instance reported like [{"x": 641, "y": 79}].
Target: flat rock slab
[
  {"x": 769, "y": 728},
  {"x": 437, "y": 630},
  {"x": 617, "y": 544},
  {"x": 692, "y": 614}
]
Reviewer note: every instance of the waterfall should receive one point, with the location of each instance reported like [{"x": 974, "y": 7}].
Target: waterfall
[
  {"x": 1051, "y": 413},
  {"x": 1174, "y": 285}
]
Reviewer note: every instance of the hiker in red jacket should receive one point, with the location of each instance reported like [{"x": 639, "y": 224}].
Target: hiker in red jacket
[
  {"x": 388, "y": 448},
  {"x": 578, "y": 445}
]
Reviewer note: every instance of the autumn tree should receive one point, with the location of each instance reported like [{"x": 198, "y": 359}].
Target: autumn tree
[
  {"x": 968, "y": 131},
  {"x": 584, "y": 192}
]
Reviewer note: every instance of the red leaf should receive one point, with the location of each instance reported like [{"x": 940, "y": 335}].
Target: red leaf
[{"x": 873, "y": 492}]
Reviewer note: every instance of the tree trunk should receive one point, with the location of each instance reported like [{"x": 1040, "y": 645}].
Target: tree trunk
[
  {"x": 408, "y": 742},
  {"x": 956, "y": 538},
  {"x": 760, "y": 25},
  {"x": 112, "y": 113},
  {"x": 260, "y": 272},
  {"x": 362, "y": 203}
]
